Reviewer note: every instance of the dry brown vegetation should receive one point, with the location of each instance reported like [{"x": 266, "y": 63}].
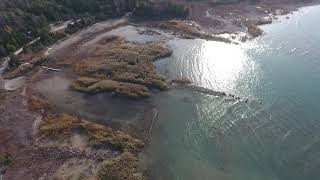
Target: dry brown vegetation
[
  {"x": 60, "y": 127},
  {"x": 57, "y": 130},
  {"x": 125, "y": 166},
  {"x": 37, "y": 105},
  {"x": 190, "y": 30},
  {"x": 91, "y": 85},
  {"x": 123, "y": 68},
  {"x": 26, "y": 67},
  {"x": 181, "y": 81},
  {"x": 184, "y": 26}
]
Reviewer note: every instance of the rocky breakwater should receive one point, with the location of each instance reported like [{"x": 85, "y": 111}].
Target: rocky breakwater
[{"x": 122, "y": 68}]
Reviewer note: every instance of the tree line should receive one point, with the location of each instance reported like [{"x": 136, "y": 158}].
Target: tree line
[{"x": 24, "y": 20}]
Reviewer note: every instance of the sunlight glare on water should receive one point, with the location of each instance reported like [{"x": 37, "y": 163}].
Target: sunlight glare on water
[
  {"x": 275, "y": 135},
  {"x": 224, "y": 73},
  {"x": 214, "y": 65}
]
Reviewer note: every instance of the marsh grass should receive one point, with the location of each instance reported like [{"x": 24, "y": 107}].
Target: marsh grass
[
  {"x": 125, "y": 69},
  {"x": 125, "y": 166},
  {"x": 61, "y": 127}
]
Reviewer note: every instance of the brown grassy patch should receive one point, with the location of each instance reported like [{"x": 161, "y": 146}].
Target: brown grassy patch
[
  {"x": 190, "y": 30},
  {"x": 26, "y": 67},
  {"x": 61, "y": 127},
  {"x": 119, "y": 88},
  {"x": 181, "y": 81},
  {"x": 122, "y": 68},
  {"x": 125, "y": 166},
  {"x": 180, "y": 26},
  {"x": 37, "y": 105}
]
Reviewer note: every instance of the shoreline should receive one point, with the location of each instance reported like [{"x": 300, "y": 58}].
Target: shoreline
[
  {"x": 231, "y": 23},
  {"x": 14, "y": 98}
]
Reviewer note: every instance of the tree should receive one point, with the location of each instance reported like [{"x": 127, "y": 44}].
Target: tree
[
  {"x": 14, "y": 61},
  {"x": 3, "y": 51},
  {"x": 11, "y": 48},
  {"x": 24, "y": 20}
]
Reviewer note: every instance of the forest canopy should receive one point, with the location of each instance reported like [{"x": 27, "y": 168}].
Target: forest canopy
[{"x": 24, "y": 20}]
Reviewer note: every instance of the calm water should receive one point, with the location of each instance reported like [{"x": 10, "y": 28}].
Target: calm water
[{"x": 275, "y": 136}]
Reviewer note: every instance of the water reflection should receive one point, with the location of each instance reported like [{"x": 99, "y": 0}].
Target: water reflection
[
  {"x": 221, "y": 64},
  {"x": 215, "y": 65},
  {"x": 207, "y": 136}
]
